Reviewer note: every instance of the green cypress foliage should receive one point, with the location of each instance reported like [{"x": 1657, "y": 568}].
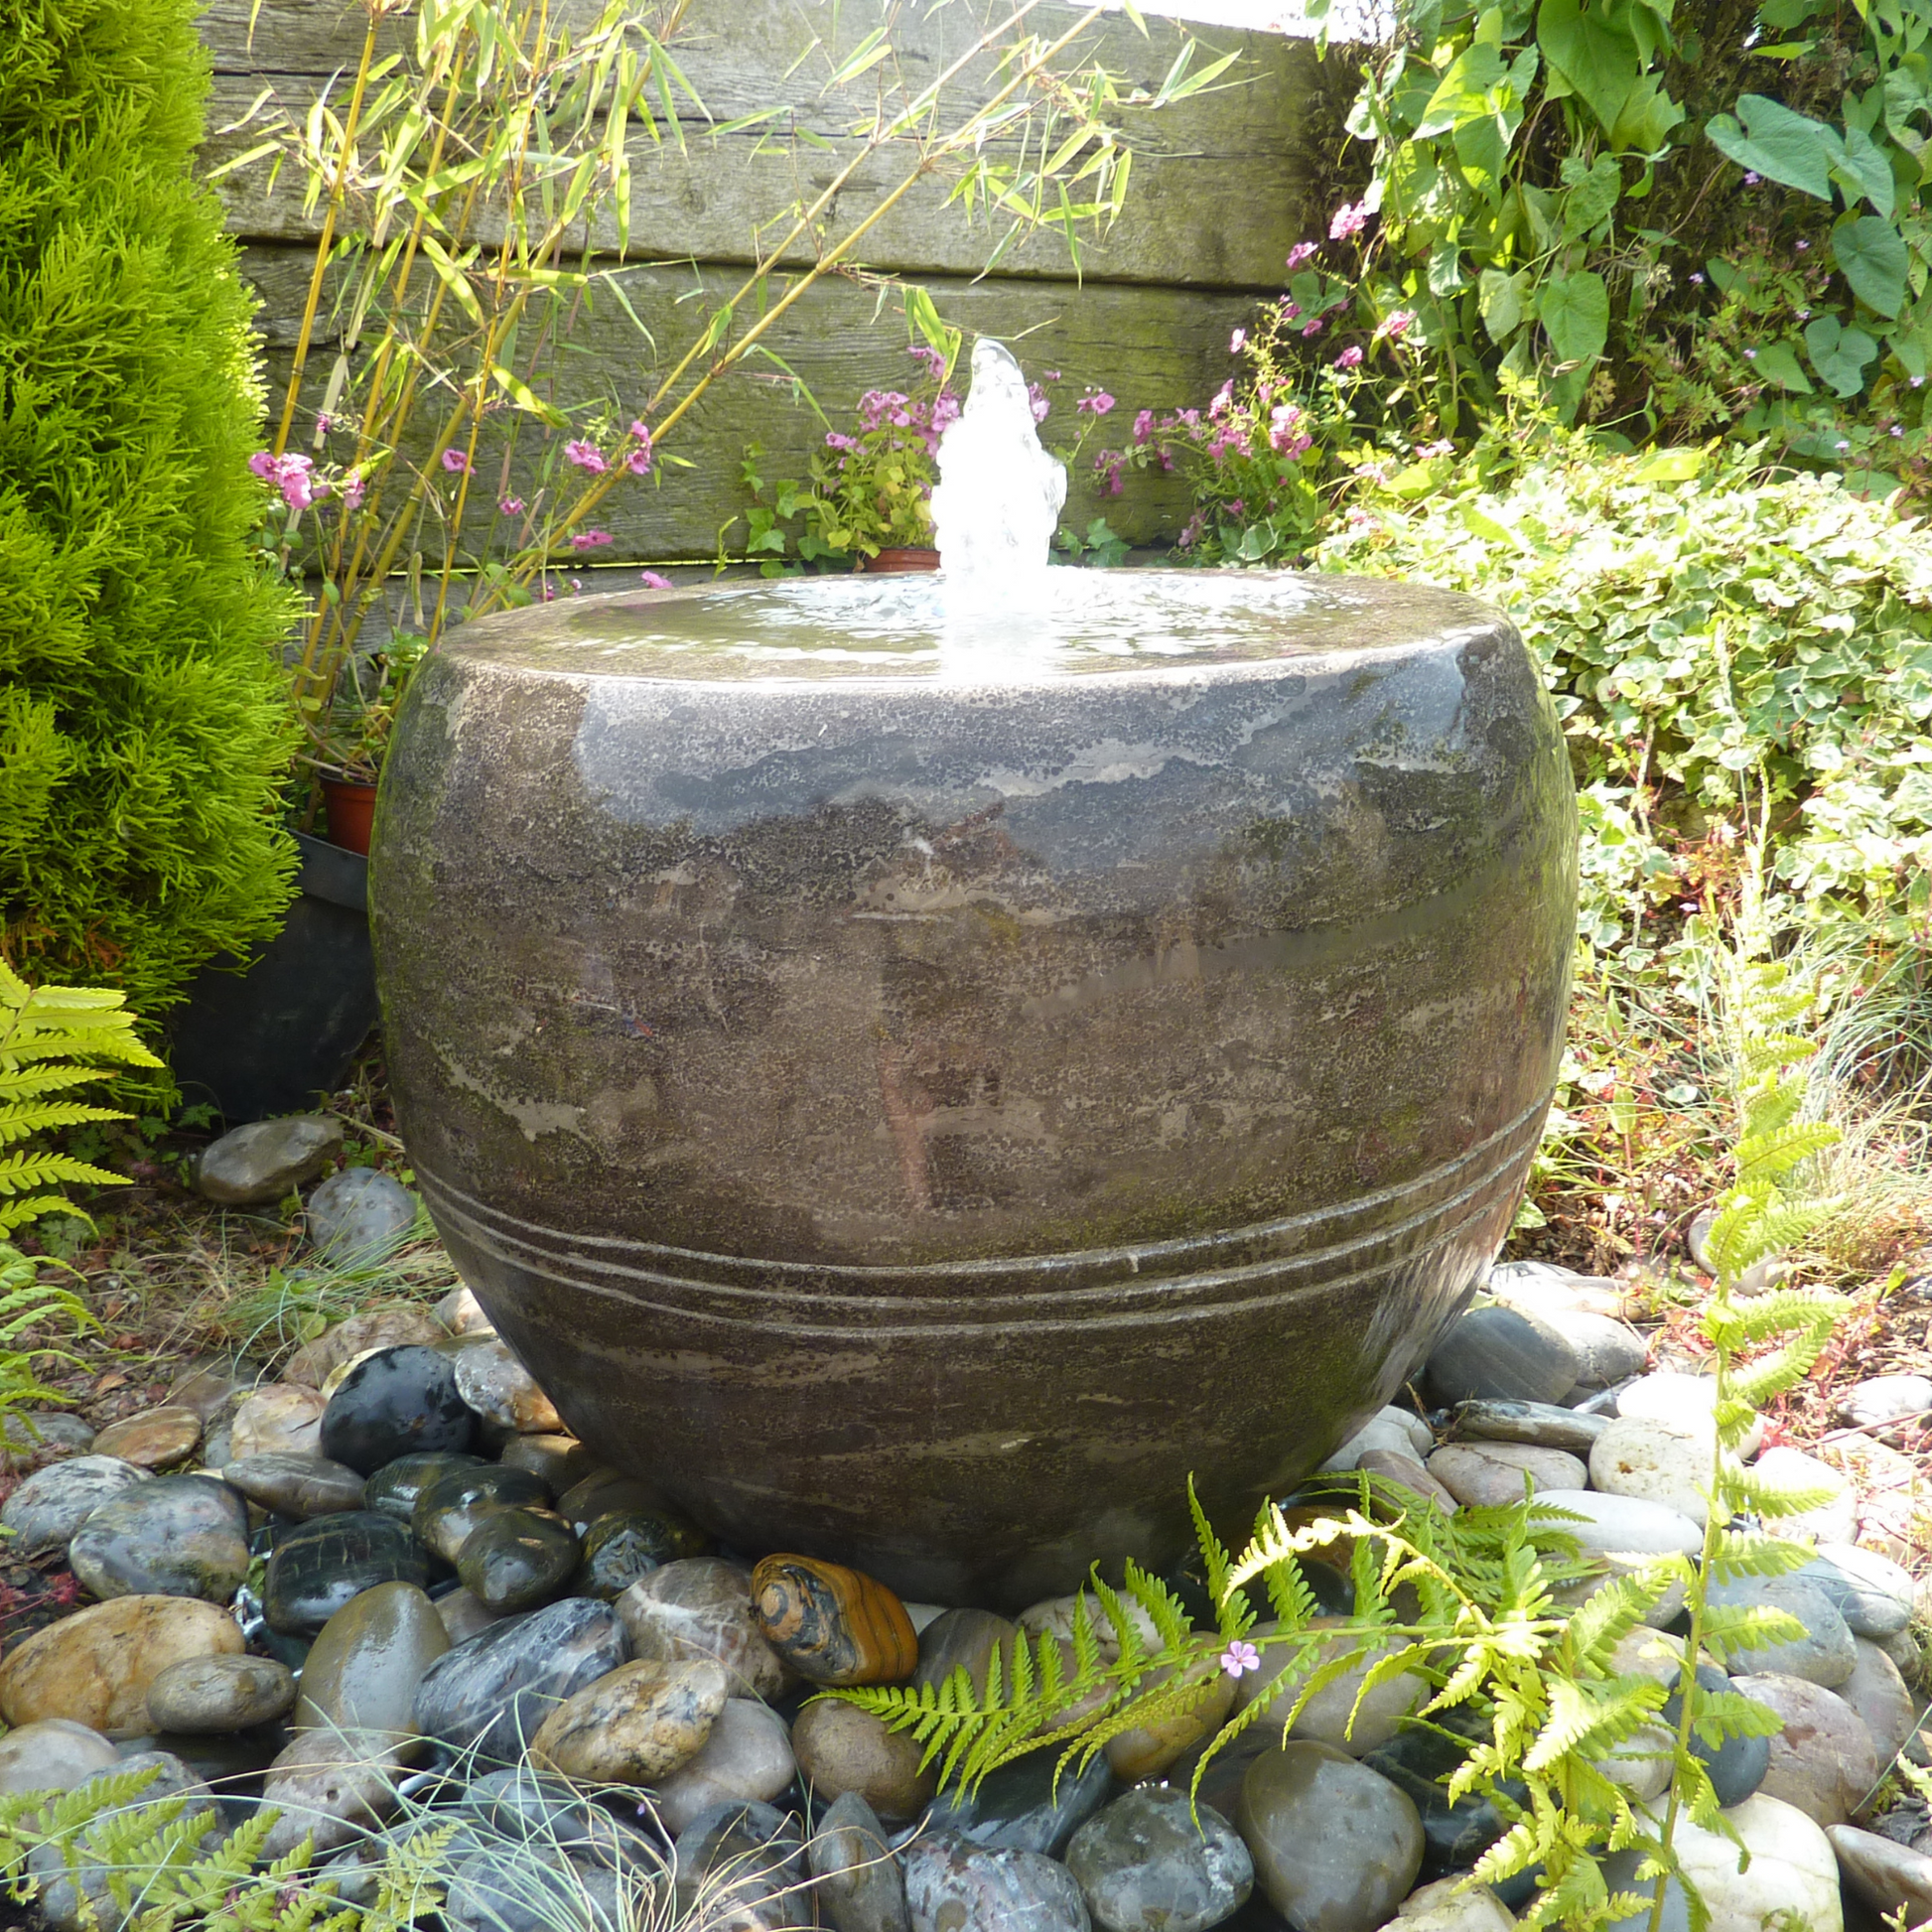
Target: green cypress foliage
[{"x": 144, "y": 719}]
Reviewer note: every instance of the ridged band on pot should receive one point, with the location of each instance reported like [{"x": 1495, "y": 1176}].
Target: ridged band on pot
[{"x": 917, "y": 1120}]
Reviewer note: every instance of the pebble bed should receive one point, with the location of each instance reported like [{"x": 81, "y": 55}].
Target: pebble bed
[{"x": 388, "y": 1593}]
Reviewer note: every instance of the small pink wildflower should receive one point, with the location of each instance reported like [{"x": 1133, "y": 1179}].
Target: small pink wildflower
[
  {"x": 1239, "y": 1658},
  {"x": 323, "y": 422},
  {"x": 263, "y": 464},
  {"x": 637, "y": 459},
  {"x": 455, "y": 462},
  {"x": 585, "y": 454},
  {"x": 934, "y": 358},
  {"x": 1441, "y": 447},
  {"x": 1223, "y": 397},
  {"x": 1192, "y": 533},
  {"x": 1398, "y": 325},
  {"x": 353, "y": 488},
  {"x": 1097, "y": 404},
  {"x": 1143, "y": 426},
  {"x": 510, "y": 505},
  {"x": 1312, "y": 328},
  {"x": 655, "y": 580},
  {"x": 1037, "y": 396},
  {"x": 1300, "y": 252},
  {"x": 1291, "y": 311},
  {"x": 1237, "y": 341},
  {"x": 834, "y": 441},
  {"x": 1108, "y": 464},
  {"x": 590, "y": 539},
  {"x": 1349, "y": 220},
  {"x": 1350, "y": 357}
]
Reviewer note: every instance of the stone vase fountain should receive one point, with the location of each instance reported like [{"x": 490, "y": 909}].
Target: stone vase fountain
[{"x": 916, "y": 1074}]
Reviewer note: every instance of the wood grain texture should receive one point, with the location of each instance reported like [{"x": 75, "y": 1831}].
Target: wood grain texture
[
  {"x": 1223, "y": 182},
  {"x": 1150, "y": 348}
]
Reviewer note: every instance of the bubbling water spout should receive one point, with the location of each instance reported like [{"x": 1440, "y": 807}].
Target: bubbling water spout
[{"x": 998, "y": 499}]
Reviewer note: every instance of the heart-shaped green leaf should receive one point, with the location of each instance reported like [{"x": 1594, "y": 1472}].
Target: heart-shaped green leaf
[
  {"x": 1788, "y": 148},
  {"x": 1575, "y": 310},
  {"x": 1871, "y": 254}
]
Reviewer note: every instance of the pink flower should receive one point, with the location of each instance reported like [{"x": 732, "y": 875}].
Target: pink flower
[
  {"x": 510, "y": 505},
  {"x": 590, "y": 539},
  {"x": 638, "y": 461},
  {"x": 934, "y": 358},
  {"x": 1300, "y": 252},
  {"x": 1350, "y": 357},
  {"x": 1223, "y": 396},
  {"x": 1312, "y": 328},
  {"x": 945, "y": 410},
  {"x": 264, "y": 464},
  {"x": 1053, "y": 375},
  {"x": 1098, "y": 403},
  {"x": 1143, "y": 426},
  {"x": 655, "y": 580},
  {"x": 353, "y": 488},
  {"x": 1037, "y": 397},
  {"x": 1237, "y": 341},
  {"x": 1190, "y": 535},
  {"x": 294, "y": 478},
  {"x": 1238, "y": 1658},
  {"x": 1441, "y": 447},
  {"x": 585, "y": 454},
  {"x": 323, "y": 422},
  {"x": 1291, "y": 311},
  {"x": 1398, "y": 325},
  {"x": 455, "y": 460},
  {"x": 834, "y": 441},
  {"x": 1109, "y": 464},
  {"x": 1349, "y": 220}
]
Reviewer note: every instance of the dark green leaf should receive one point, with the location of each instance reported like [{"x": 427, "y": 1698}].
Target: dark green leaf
[
  {"x": 1790, "y": 149},
  {"x": 1778, "y": 363},
  {"x": 1871, "y": 255},
  {"x": 1575, "y": 310},
  {"x": 1601, "y": 65},
  {"x": 1839, "y": 354}
]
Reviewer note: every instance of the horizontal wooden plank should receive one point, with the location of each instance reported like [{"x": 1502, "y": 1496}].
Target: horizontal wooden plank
[
  {"x": 1223, "y": 182},
  {"x": 1150, "y": 348}
]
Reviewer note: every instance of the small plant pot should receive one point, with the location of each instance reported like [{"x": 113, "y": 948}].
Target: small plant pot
[
  {"x": 901, "y": 560},
  {"x": 351, "y": 810}
]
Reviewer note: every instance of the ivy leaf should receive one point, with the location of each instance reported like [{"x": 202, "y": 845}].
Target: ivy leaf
[
  {"x": 1866, "y": 171},
  {"x": 1500, "y": 301},
  {"x": 1778, "y": 363},
  {"x": 1871, "y": 254},
  {"x": 1601, "y": 65},
  {"x": 1788, "y": 148},
  {"x": 1839, "y": 354},
  {"x": 1575, "y": 310}
]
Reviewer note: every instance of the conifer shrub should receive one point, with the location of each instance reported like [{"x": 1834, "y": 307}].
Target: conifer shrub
[{"x": 144, "y": 719}]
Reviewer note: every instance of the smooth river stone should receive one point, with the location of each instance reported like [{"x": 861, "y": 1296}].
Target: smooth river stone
[
  {"x": 832, "y": 1624},
  {"x": 54, "y": 1754},
  {"x": 97, "y": 1667},
  {"x": 1824, "y": 1762},
  {"x": 76, "y": 1875},
  {"x": 1331, "y": 1716},
  {"x": 359, "y": 1214},
  {"x": 621, "y": 1548},
  {"x": 214, "y": 1385},
  {"x": 745, "y": 1865},
  {"x": 964, "y": 1640},
  {"x": 462, "y": 1314},
  {"x": 394, "y": 1489},
  {"x": 841, "y": 1749},
  {"x": 1888, "y": 1877},
  {"x": 210, "y": 1696},
  {"x": 698, "y": 1609},
  {"x": 560, "y": 1462},
  {"x": 331, "y": 1788},
  {"x": 1028, "y": 1805},
  {"x": 1736, "y": 1767},
  {"x": 156, "y": 1438},
  {"x": 1825, "y": 1653},
  {"x": 1877, "y": 1693},
  {"x": 50, "y": 1505},
  {"x": 857, "y": 1879},
  {"x": 177, "y": 1536},
  {"x": 396, "y": 1402},
  {"x": 1453, "y": 1905},
  {"x": 1834, "y": 1520},
  {"x": 515, "y": 1559},
  {"x": 501, "y": 1390},
  {"x": 1869, "y": 1592},
  {"x": 1638, "y": 1456},
  {"x": 296, "y": 1485},
  {"x": 1488, "y": 1475},
  {"x": 394, "y": 1325},
  {"x": 317, "y": 1569},
  {"x": 1336, "y": 1846},
  {"x": 1499, "y": 1354},
  {"x": 605, "y": 1493},
  {"x": 1788, "y": 1882},
  {"x": 1148, "y": 1748},
  {"x": 1542, "y": 1425},
  {"x": 747, "y": 1756},
  {"x": 463, "y": 1616},
  {"x": 364, "y": 1671},
  {"x": 267, "y": 1159},
  {"x": 281, "y": 1418},
  {"x": 955, "y": 1887},
  {"x": 1147, "y": 1864},
  {"x": 492, "y": 1693},
  {"x": 449, "y": 1508},
  {"x": 31, "y": 1437},
  {"x": 634, "y": 1726},
  {"x": 1418, "y": 1762}
]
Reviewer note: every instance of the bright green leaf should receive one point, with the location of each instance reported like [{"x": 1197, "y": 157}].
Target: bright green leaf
[
  {"x": 1839, "y": 354},
  {"x": 1575, "y": 310},
  {"x": 1778, "y": 363},
  {"x": 1871, "y": 254},
  {"x": 1788, "y": 148},
  {"x": 1601, "y": 65},
  {"x": 1500, "y": 301}
]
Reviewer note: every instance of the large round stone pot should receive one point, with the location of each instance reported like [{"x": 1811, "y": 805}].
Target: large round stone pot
[{"x": 915, "y": 1101}]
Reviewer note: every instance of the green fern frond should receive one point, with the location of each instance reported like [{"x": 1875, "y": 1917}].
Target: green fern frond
[
  {"x": 1731, "y": 1627},
  {"x": 1750, "y": 1553}
]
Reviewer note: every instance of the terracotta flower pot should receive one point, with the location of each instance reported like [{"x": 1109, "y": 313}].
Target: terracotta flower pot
[
  {"x": 900, "y": 561},
  {"x": 916, "y": 1112},
  {"x": 351, "y": 813}
]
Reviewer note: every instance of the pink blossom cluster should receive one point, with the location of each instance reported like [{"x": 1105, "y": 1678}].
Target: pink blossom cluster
[
  {"x": 293, "y": 475},
  {"x": 1348, "y": 220}
]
